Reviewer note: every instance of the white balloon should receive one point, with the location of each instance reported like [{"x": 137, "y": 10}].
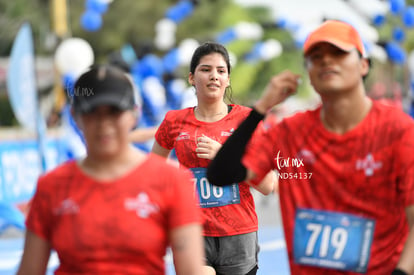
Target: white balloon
[
  {"x": 178, "y": 85},
  {"x": 370, "y": 8},
  {"x": 155, "y": 91},
  {"x": 73, "y": 56},
  {"x": 379, "y": 53},
  {"x": 165, "y": 26},
  {"x": 246, "y": 30},
  {"x": 233, "y": 59},
  {"x": 186, "y": 50},
  {"x": 164, "y": 41},
  {"x": 271, "y": 48}
]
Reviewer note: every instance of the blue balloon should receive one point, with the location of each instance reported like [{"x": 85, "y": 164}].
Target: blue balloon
[
  {"x": 153, "y": 112},
  {"x": 68, "y": 83},
  {"x": 174, "y": 95},
  {"x": 173, "y": 14},
  {"x": 136, "y": 74},
  {"x": 99, "y": 6},
  {"x": 91, "y": 20},
  {"x": 135, "y": 71},
  {"x": 395, "y": 53},
  {"x": 254, "y": 54},
  {"x": 226, "y": 36},
  {"x": 186, "y": 8},
  {"x": 180, "y": 11},
  {"x": 128, "y": 54},
  {"x": 397, "y": 6},
  {"x": 398, "y": 34},
  {"x": 171, "y": 61},
  {"x": 288, "y": 25},
  {"x": 378, "y": 20},
  {"x": 408, "y": 17},
  {"x": 281, "y": 23},
  {"x": 411, "y": 111},
  {"x": 150, "y": 65}
]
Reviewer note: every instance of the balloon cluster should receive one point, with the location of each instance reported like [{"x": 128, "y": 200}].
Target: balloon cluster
[
  {"x": 91, "y": 19},
  {"x": 158, "y": 89},
  {"x": 405, "y": 15},
  {"x": 264, "y": 50},
  {"x": 165, "y": 28},
  {"x": 395, "y": 51},
  {"x": 241, "y": 31}
]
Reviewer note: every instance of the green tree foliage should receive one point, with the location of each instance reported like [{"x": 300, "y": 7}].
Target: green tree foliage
[{"x": 14, "y": 13}]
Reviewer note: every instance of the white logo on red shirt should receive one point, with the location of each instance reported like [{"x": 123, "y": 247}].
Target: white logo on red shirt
[
  {"x": 369, "y": 165},
  {"x": 183, "y": 135},
  {"x": 227, "y": 133},
  {"x": 67, "y": 206},
  {"x": 142, "y": 205}
]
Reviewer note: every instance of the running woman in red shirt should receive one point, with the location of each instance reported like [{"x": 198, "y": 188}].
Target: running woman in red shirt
[
  {"x": 117, "y": 210},
  {"x": 196, "y": 134},
  {"x": 346, "y": 168}
]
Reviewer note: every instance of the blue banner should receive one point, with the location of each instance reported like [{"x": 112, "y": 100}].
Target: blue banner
[{"x": 20, "y": 169}]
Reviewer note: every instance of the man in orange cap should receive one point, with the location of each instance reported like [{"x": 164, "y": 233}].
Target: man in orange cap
[{"x": 346, "y": 169}]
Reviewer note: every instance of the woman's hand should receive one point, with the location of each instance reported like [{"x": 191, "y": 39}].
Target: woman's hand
[{"x": 207, "y": 148}]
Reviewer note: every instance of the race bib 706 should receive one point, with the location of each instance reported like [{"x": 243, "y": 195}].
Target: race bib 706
[{"x": 211, "y": 195}]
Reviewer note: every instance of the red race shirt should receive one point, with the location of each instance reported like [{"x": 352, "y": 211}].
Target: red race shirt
[
  {"x": 118, "y": 227},
  {"x": 180, "y": 130},
  {"x": 367, "y": 172}
]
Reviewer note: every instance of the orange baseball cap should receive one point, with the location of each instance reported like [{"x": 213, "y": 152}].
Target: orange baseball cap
[{"x": 337, "y": 33}]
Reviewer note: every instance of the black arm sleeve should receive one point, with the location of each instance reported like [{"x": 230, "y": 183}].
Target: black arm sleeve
[
  {"x": 226, "y": 168},
  {"x": 398, "y": 272}
]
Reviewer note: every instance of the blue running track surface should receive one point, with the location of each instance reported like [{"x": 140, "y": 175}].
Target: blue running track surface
[{"x": 272, "y": 256}]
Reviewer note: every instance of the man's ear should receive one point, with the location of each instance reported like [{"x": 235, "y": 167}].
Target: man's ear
[
  {"x": 136, "y": 114},
  {"x": 365, "y": 66}
]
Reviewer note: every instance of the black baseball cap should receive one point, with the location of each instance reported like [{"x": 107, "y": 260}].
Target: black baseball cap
[{"x": 103, "y": 85}]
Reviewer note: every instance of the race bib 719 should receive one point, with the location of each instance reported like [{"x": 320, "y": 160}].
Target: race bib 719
[{"x": 332, "y": 240}]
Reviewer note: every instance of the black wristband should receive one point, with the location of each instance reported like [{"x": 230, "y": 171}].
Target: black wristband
[
  {"x": 398, "y": 271},
  {"x": 256, "y": 115}
]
